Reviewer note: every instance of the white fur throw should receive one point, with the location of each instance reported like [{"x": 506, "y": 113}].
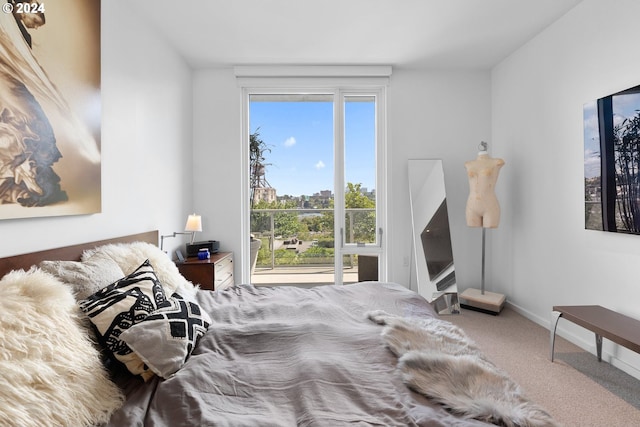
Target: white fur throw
[
  {"x": 439, "y": 361},
  {"x": 129, "y": 256},
  {"x": 85, "y": 278},
  {"x": 50, "y": 372}
]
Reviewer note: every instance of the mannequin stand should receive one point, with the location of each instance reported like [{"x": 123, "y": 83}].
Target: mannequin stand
[{"x": 479, "y": 300}]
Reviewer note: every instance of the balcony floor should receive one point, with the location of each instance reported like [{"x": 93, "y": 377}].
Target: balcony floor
[{"x": 301, "y": 276}]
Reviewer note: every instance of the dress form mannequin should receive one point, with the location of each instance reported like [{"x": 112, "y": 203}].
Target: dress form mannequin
[{"x": 483, "y": 209}]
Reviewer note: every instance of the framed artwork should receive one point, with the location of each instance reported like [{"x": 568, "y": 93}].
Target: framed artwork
[
  {"x": 612, "y": 162},
  {"x": 50, "y": 109}
]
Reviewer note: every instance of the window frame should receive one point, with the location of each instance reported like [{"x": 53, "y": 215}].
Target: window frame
[{"x": 339, "y": 81}]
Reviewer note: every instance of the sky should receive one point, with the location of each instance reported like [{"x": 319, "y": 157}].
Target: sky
[
  {"x": 591, "y": 141},
  {"x": 300, "y": 137}
]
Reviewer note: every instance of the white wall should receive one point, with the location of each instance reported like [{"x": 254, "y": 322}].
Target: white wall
[
  {"x": 146, "y": 143},
  {"x": 547, "y": 257},
  {"x": 436, "y": 115},
  {"x": 217, "y": 152}
]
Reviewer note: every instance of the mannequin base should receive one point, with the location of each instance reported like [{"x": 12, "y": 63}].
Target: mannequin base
[{"x": 487, "y": 302}]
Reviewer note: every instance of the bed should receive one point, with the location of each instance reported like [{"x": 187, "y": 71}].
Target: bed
[{"x": 366, "y": 354}]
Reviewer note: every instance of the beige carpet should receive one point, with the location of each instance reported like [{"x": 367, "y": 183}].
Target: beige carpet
[{"x": 575, "y": 396}]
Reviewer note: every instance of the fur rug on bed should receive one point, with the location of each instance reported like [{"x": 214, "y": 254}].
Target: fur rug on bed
[
  {"x": 439, "y": 361},
  {"x": 50, "y": 372},
  {"x": 129, "y": 256}
]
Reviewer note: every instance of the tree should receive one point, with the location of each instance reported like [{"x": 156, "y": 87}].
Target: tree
[
  {"x": 627, "y": 168},
  {"x": 257, "y": 165},
  {"x": 354, "y": 198},
  {"x": 286, "y": 224},
  {"x": 364, "y": 222}
]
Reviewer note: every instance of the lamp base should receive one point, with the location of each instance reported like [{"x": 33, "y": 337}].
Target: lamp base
[{"x": 487, "y": 302}]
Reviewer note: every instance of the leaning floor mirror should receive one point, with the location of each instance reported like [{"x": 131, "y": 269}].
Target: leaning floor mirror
[{"x": 432, "y": 248}]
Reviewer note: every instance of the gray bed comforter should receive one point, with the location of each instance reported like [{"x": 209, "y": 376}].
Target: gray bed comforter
[{"x": 287, "y": 356}]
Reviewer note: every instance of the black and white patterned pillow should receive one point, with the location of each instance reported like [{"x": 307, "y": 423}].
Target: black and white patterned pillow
[
  {"x": 165, "y": 339},
  {"x": 121, "y": 305}
]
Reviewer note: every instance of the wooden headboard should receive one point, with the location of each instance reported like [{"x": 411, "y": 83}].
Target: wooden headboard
[{"x": 69, "y": 253}]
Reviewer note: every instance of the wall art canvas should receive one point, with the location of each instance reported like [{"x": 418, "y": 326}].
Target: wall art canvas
[
  {"x": 50, "y": 109},
  {"x": 612, "y": 162}
]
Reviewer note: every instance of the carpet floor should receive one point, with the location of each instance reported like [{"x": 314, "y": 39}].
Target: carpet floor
[{"x": 575, "y": 389}]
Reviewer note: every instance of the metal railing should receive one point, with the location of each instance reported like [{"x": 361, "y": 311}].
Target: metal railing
[{"x": 360, "y": 228}]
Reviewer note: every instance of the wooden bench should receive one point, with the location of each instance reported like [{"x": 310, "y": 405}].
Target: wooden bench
[{"x": 605, "y": 323}]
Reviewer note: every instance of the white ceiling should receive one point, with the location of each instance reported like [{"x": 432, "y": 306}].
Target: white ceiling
[{"x": 407, "y": 33}]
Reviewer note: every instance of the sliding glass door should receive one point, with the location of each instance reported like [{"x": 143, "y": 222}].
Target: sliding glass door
[{"x": 315, "y": 186}]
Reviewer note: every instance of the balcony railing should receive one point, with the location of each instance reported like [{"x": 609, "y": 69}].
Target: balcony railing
[{"x": 286, "y": 241}]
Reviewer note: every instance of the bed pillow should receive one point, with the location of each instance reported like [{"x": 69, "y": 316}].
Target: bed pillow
[
  {"x": 50, "y": 372},
  {"x": 87, "y": 277},
  {"x": 165, "y": 338},
  {"x": 119, "y": 306},
  {"x": 130, "y": 255}
]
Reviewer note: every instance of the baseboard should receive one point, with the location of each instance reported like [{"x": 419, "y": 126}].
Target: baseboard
[
  {"x": 529, "y": 315},
  {"x": 586, "y": 345}
]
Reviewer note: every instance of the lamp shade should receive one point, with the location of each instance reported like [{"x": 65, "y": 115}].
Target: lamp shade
[{"x": 194, "y": 223}]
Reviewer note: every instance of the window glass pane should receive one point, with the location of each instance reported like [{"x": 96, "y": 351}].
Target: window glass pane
[{"x": 292, "y": 187}]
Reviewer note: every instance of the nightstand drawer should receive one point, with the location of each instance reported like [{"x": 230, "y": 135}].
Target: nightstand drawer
[
  {"x": 228, "y": 282},
  {"x": 224, "y": 267}
]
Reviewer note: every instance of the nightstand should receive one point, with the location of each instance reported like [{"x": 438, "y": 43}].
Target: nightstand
[{"x": 211, "y": 274}]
